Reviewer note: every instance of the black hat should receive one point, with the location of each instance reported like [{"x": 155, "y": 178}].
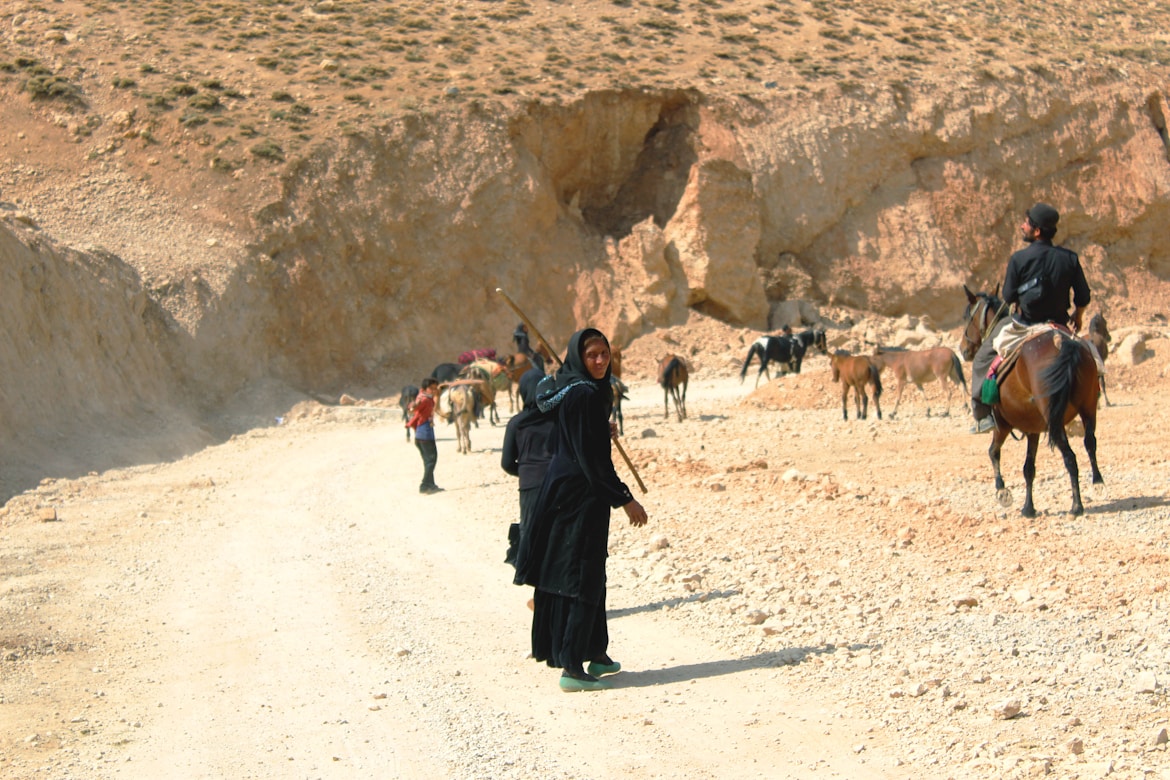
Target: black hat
[{"x": 1044, "y": 216}]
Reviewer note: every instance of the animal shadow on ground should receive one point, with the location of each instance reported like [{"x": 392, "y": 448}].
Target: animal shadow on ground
[
  {"x": 710, "y": 417},
  {"x": 686, "y": 672},
  {"x": 1128, "y": 504}
]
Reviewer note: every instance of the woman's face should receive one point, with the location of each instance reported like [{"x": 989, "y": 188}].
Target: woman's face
[{"x": 596, "y": 357}]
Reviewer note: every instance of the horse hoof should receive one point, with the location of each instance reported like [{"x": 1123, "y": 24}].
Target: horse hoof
[
  {"x": 1028, "y": 513},
  {"x": 1004, "y": 497}
]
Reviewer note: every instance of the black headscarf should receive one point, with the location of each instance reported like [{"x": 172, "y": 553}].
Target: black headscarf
[
  {"x": 528, "y": 382},
  {"x": 574, "y": 372}
]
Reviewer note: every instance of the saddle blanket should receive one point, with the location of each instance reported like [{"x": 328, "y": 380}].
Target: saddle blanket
[
  {"x": 472, "y": 355},
  {"x": 1013, "y": 335}
]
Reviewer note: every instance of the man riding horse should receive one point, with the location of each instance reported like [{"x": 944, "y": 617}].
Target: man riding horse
[
  {"x": 523, "y": 347},
  {"x": 1038, "y": 282}
]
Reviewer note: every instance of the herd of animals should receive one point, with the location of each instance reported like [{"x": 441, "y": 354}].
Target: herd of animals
[{"x": 469, "y": 388}]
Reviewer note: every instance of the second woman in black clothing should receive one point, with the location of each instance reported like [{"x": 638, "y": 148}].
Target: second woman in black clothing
[{"x": 526, "y": 453}]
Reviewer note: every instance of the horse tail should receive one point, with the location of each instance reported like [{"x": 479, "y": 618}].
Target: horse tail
[
  {"x": 957, "y": 367},
  {"x": 748, "y": 360},
  {"x": 875, "y": 375},
  {"x": 1060, "y": 378}
]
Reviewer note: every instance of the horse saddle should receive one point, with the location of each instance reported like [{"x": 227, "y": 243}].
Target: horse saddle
[{"x": 1002, "y": 365}]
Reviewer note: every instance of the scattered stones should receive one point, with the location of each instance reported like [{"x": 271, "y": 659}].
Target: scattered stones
[
  {"x": 756, "y": 617},
  {"x": 659, "y": 542},
  {"x": 1145, "y": 682},
  {"x": 1132, "y": 350},
  {"x": 1007, "y": 709}
]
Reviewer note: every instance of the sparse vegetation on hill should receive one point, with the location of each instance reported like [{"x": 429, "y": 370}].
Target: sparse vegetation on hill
[{"x": 199, "y": 77}]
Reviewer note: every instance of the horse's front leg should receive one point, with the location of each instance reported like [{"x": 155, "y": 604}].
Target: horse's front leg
[
  {"x": 898, "y": 399},
  {"x": 844, "y": 401},
  {"x": 665, "y": 403},
  {"x": 1028, "y": 509},
  {"x": 863, "y": 410}
]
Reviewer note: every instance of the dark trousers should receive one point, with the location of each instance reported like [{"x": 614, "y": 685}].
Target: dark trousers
[
  {"x": 430, "y": 456},
  {"x": 980, "y": 365}
]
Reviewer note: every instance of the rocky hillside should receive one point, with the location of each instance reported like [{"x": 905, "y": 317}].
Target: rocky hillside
[{"x": 198, "y": 197}]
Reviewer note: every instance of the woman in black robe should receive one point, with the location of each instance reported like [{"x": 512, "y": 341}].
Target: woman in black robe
[{"x": 562, "y": 551}]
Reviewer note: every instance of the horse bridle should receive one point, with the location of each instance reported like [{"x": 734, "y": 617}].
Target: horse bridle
[{"x": 985, "y": 302}]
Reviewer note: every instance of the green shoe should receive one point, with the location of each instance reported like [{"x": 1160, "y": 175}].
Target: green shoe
[
  {"x": 586, "y": 683},
  {"x": 597, "y": 669}
]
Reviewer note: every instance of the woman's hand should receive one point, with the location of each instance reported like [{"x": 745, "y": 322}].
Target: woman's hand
[
  {"x": 636, "y": 513},
  {"x": 613, "y": 430}
]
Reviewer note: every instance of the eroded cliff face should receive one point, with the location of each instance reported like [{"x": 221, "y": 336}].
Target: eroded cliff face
[
  {"x": 624, "y": 209},
  {"x": 87, "y": 365},
  {"x": 381, "y": 255}
]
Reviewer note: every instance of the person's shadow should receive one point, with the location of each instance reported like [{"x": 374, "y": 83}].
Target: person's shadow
[{"x": 682, "y": 673}]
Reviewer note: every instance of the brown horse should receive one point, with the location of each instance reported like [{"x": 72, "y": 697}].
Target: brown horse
[
  {"x": 919, "y": 366},
  {"x": 1053, "y": 381},
  {"x": 516, "y": 366},
  {"x": 856, "y": 371},
  {"x": 673, "y": 376},
  {"x": 615, "y": 361},
  {"x": 1099, "y": 337}
]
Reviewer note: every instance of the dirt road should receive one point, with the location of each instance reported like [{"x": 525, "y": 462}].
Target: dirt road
[
  {"x": 813, "y": 597},
  {"x": 287, "y": 605}
]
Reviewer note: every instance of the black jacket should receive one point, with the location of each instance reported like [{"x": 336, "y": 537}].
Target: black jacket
[{"x": 1040, "y": 277}]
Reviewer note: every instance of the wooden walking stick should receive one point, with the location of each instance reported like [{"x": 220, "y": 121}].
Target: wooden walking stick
[{"x": 532, "y": 329}]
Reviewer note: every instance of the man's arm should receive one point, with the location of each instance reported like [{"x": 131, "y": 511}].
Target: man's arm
[{"x": 1011, "y": 283}]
